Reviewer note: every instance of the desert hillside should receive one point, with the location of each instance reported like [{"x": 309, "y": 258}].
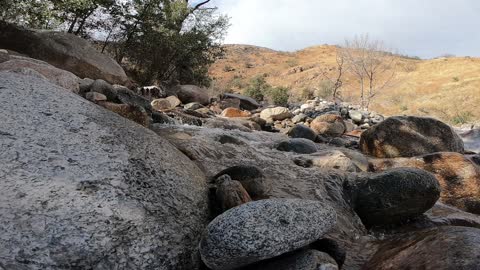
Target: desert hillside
[{"x": 446, "y": 88}]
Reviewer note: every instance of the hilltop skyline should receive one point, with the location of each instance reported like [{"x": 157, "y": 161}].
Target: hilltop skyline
[{"x": 428, "y": 29}]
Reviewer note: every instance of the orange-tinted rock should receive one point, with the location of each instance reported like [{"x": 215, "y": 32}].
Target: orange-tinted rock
[
  {"x": 234, "y": 112},
  {"x": 328, "y": 124},
  {"x": 355, "y": 133},
  {"x": 458, "y": 176}
]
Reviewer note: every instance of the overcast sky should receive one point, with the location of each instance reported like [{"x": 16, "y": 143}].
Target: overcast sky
[{"x": 425, "y": 28}]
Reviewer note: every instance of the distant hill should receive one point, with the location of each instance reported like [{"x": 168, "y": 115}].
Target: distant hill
[{"x": 446, "y": 88}]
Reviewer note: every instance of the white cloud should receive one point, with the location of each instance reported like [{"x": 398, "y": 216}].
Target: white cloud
[{"x": 426, "y": 28}]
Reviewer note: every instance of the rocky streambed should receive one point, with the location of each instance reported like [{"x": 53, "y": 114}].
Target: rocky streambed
[{"x": 102, "y": 177}]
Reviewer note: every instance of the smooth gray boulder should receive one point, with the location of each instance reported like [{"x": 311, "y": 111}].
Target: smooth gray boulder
[
  {"x": 83, "y": 188},
  {"x": 263, "y": 229},
  {"x": 246, "y": 103},
  {"x": 297, "y": 145},
  {"x": 394, "y": 196},
  {"x": 192, "y": 93}
]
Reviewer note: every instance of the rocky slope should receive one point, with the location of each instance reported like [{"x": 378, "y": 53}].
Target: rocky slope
[
  {"x": 445, "y": 88},
  {"x": 100, "y": 176}
]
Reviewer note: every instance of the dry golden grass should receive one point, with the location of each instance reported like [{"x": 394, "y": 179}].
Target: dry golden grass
[{"x": 445, "y": 88}]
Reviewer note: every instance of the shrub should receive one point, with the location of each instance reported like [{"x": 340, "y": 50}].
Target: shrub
[
  {"x": 237, "y": 83},
  {"x": 325, "y": 90},
  {"x": 228, "y": 68},
  {"x": 257, "y": 88},
  {"x": 462, "y": 118},
  {"x": 279, "y": 95},
  {"x": 307, "y": 94},
  {"x": 456, "y": 79},
  {"x": 403, "y": 108},
  {"x": 292, "y": 62},
  {"x": 254, "y": 93}
]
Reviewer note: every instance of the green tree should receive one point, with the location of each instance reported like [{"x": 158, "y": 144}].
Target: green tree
[
  {"x": 29, "y": 13},
  {"x": 155, "y": 40},
  {"x": 75, "y": 14},
  {"x": 169, "y": 40}
]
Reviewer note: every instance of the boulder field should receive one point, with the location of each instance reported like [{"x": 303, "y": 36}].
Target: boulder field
[{"x": 94, "y": 175}]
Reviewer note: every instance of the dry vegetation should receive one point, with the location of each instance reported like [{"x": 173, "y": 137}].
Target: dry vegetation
[{"x": 445, "y": 88}]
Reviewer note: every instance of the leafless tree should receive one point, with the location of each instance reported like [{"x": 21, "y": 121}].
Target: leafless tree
[
  {"x": 372, "y": 63},
  {"x": 337, "y": 79}
]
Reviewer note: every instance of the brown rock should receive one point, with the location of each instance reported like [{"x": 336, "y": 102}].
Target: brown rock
[
  {"x": 174, "y": 101},
  {"x": 134, "y": 113},
  {"x": 161, "y": 104},
  {"x": 328, "y": 124},
  {"x": 230, "y": 193},
  {"x": 164, "y": 104},
  {"x": 274, "y": 114},
  {"x": 233, "y": 113},
  {"x": 458, "y": 176}
]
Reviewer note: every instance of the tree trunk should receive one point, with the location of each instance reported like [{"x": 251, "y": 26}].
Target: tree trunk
[
  {"x": 84, "y": 19},
  {"x": 72, "y": 24}
]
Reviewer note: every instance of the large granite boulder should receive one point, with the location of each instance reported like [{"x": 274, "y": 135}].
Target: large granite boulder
[
  {"x": 55, "y": 75},
  {"x": 191, "y": 93},
  {"x": 65, "y": 51},
  {"x": 408, "y": 136},
  {"x": 83, "y": 188},
  {"x": 458, "y": 176},
  {"x": 263, "y": 229}
]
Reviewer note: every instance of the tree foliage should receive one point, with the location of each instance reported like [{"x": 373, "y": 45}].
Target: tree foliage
[
  {"x": 156, "y": 40},
  {"x": 260, "y": 90}
]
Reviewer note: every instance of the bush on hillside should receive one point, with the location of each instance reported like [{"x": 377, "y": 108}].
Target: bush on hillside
[
  {"x": 307, "y": 94},
  {"x": 279, "y": 95},
  {"x": 257, "y": 88},
  {"x": 325, "y": 89},
  {"x": 462, "y": 118}
]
